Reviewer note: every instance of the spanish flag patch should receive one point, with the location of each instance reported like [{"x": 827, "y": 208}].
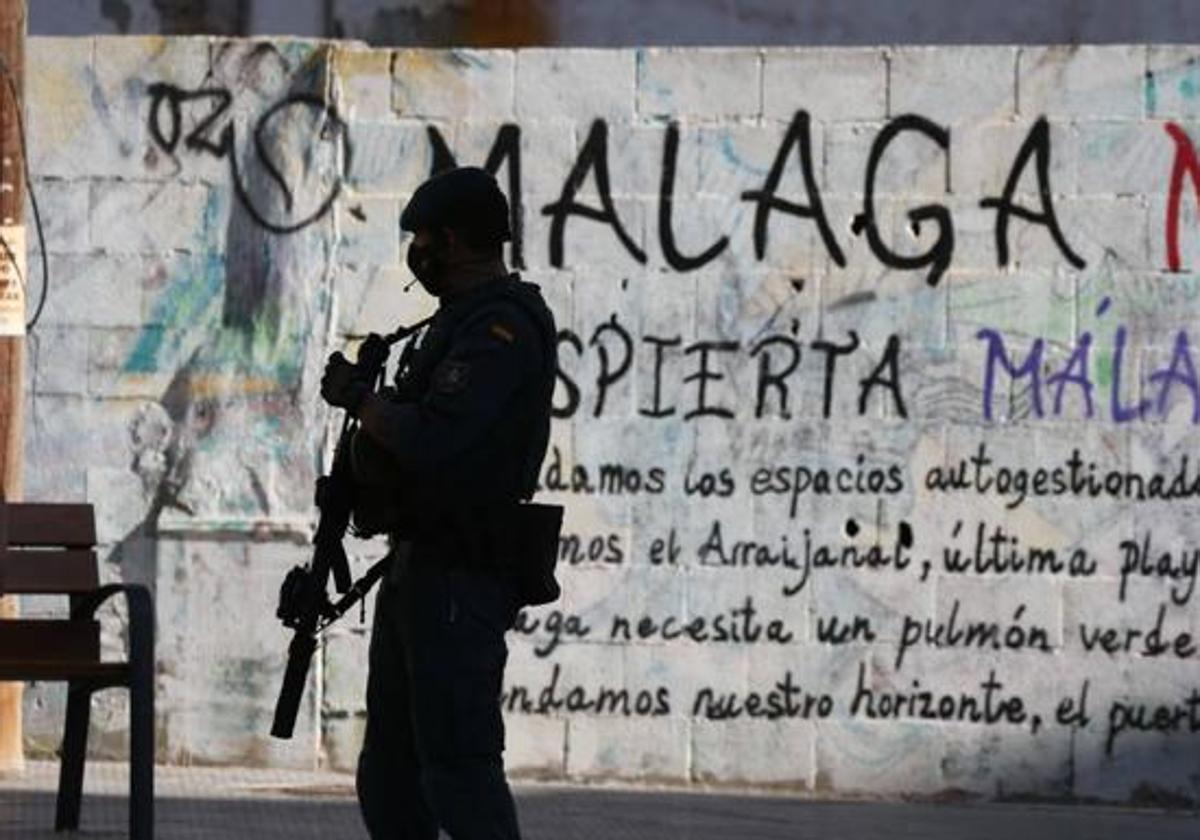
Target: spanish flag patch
[{"x": 502, "y": 332}]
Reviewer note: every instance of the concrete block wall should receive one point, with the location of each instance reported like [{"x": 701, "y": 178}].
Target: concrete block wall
[{"x": 876, "y": 415}]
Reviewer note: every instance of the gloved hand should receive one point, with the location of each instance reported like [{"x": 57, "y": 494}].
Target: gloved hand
[
  {"x": 373, "y": 352},
  {"x": 342, "y": 385}
]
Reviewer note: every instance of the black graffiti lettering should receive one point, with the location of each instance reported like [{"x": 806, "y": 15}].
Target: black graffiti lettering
[
  {"x": 665, "y": 549},
  {"x": 443, "y": 158},
  {"x": 666, "y": 233},
  {"x": 568, "y": 384},
  {"x": 767, "y": 199},
  {"x": 992, "y": 708},
  {"x": 656, "y": 408},
  {"x": 166, "y": 130},
  {"x": 1017, "y": 634},
  {"x": 506, "y": 148},
  {"x": 608, "y": 375},
  {"x": 1128, "y": 640},
  {"x": 593, "y": 157},
  {"x": 793, "y": 481},
  {"x": 704, "y": 375},
  {"x": 938, "y": 256},
  {"x": 575, "y": 550},
  {"x": 555, "y": 624},
  {"x": 331, "y": 124},
  {"x": 785, "y": 699},
  {"x": 1142, "y": 558},
  {"x": 1036, "y": 145},
  {"x": 775, "y": 379},
  {"x": 739, "y": 625},
  {"x": 607, "y": 478},
  {"x": 617, "y": 479},
  {"x": 592, "y": 160},
  {"x": 808, "y": 556},
  {"x": 1177, "y": 480},
  {"x": 1123, "y": 715},
  {"x": 168, "y": 98},
  {"x": 832, "y": 351},
  {"x": 553, "y": 698},
  {"x": 1072, "y": 711},
  {"x": 720, "y": 483},
  {"x": 831, "y": 630},
  {"x": 552, "y": 479},
  {"x": 891, "y": 364},
  {"x": 779, "y": 358},
  {"x": 996, "y": 550}
]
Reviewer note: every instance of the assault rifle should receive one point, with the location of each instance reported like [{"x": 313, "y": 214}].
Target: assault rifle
[{"x": 304, "y": 604}]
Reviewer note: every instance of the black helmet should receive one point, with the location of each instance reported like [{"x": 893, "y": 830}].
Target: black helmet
[{"x": 465, "y": 199}]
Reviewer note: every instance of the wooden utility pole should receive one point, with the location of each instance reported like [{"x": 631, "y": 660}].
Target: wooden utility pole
[{"x": 12, "y": 322}]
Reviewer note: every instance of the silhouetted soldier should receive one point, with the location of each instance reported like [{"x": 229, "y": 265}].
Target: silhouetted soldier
[{"x": 464, "y": 430}]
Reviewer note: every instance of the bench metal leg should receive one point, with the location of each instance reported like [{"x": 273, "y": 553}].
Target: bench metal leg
[
  {"x": 141, "y": 755},
  {"x": 141, "y": 717},
  {"x": 74, "y": 751}
]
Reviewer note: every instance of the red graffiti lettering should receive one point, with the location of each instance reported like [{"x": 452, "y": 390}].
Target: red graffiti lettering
[{"x": 1186, "y": 163}]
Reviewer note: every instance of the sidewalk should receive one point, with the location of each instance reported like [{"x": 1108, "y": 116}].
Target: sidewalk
[{"x": 212, "y": 803}]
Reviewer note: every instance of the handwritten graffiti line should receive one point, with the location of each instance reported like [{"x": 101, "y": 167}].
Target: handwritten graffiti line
[{"x": 166, "y": 130}]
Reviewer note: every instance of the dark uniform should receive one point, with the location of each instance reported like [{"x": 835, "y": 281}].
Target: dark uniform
[{"x": 467, "y": 426}]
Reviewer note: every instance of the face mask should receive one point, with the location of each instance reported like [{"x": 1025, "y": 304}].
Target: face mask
[{"x": 426, "y": 266}]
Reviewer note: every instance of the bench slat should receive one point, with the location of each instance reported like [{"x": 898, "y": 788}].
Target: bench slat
[
  {"x": 48, "y": 640},
  {"x": 45, "y": 572},
  {"x": 46, "y": 524},
  {"x": 112, "y": 673}
]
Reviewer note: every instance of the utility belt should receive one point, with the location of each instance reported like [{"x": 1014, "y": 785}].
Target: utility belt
[{"x": 518, "y": 541}]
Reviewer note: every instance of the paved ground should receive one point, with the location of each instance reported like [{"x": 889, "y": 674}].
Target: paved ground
[{"x": 207, "y": 804}]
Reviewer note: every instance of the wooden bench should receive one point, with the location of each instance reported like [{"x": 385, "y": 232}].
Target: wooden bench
[{"x": 49, "y": 549}]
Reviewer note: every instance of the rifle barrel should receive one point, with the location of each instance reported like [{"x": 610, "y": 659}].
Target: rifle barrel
[{"x": 300, "y": 653}]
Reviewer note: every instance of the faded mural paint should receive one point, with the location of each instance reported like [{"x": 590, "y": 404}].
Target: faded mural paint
[{"x": 874, "y": 420}]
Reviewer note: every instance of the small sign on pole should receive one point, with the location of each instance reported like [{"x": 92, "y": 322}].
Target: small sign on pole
[{"x": 12, "y": 279}]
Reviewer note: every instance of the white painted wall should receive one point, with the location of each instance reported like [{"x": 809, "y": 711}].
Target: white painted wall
[{"x": 173, "y": 384}]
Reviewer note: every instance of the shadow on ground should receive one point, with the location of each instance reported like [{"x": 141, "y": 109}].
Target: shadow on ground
[{"x": 558, "y": 814}]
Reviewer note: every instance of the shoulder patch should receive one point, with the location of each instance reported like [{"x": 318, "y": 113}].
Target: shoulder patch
[
  {"x": 450, "y": 377},
  {"x": 502, "y": 332}
]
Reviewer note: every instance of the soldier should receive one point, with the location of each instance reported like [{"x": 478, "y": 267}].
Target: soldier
[{"x": 464, "y": 430}]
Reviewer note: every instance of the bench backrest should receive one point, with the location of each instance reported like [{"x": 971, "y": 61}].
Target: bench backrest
[{"x": 48, "y": 549}]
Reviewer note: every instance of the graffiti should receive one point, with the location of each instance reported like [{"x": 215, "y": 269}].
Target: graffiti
[
  {"x": 939, "y": 256},
  {"x": 666, "y": 230},
  {"x": 229, "y": 339},
  {"x": 214, "y": 134},
  {"x": 1075, "y": 476},
  {"x": 877, "y": 420},
  {"x": 1037, "y": 146},
  {"x": 1186, "y": 164},
  {"x": 799, "y": 136},
  {"x": 593, "y": 158},
  {"x": 1078, "y": 372},
  {"x": 592, "y": 162},
  {"x": 616, "y": 353},
  {"x": 505, "y": 149}
]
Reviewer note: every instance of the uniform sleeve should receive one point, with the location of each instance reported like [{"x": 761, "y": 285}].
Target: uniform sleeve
[{"x": 491, "y": 356}]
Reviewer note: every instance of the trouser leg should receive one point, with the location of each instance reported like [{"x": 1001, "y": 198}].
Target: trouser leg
[
  {"x": 472, "y": 799},
  {"x": 453, "y": 630},
  {"x": 391, "y": 795}
]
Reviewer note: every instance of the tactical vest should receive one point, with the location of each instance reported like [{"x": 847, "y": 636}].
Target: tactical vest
[{"x": 499, "y": 469}]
